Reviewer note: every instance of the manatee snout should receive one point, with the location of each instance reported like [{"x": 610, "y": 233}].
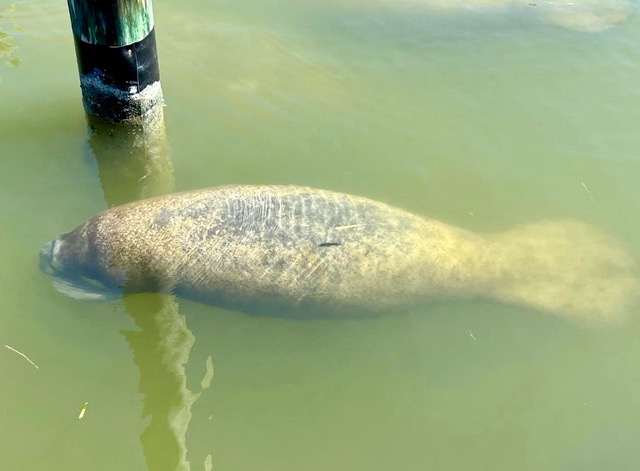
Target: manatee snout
[
  {"x": 68, "y": 280},
  {"x": 48, "y": 257}
]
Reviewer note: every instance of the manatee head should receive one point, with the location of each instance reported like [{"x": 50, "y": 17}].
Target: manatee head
[{"x": 82, "y": 265}]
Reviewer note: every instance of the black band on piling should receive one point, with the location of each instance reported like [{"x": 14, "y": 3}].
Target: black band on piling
[{"x": 129, "y": 68}]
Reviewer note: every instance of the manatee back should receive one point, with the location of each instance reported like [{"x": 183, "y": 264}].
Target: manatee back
[{"x": 256, "y": 248}]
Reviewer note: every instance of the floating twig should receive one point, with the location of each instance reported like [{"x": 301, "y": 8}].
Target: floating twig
[
  {"x": 23, "y": 356},
  {"x": 587, "y": 190}
]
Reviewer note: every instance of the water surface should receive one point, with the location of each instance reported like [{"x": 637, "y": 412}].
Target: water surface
[{"x": 484, "y": 119}]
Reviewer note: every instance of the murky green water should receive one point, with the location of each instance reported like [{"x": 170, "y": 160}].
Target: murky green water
[{"x": 485, "y": 119}]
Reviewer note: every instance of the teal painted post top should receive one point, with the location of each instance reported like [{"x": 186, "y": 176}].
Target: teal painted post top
[{"x": 111, "y": 22}]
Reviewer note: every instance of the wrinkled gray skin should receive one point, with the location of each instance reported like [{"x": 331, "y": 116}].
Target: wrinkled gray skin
[{"x": 286, "y": 250}]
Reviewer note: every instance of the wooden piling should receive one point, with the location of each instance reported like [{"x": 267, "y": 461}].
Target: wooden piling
[
  {"x": 120, "y": 81},
  {"x": 117, "y": 59}
]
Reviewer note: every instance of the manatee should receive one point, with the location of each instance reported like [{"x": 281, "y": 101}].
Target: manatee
[
  {"x": 296, "y": 251},
  {"x": 589, "y": 16}
]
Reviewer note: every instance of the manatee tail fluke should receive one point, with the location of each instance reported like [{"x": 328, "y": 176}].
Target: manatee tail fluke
[{"x": 569, "y": 269}]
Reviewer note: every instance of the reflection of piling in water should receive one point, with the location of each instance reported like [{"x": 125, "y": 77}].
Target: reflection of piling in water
[{"x": 161, "y": 350}]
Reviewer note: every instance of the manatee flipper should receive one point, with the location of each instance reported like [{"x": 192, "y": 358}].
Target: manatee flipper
[{"x": 84, "y": 291}]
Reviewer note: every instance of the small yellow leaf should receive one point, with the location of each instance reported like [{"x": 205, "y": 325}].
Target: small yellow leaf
[{"x": 83, "y": 410}]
